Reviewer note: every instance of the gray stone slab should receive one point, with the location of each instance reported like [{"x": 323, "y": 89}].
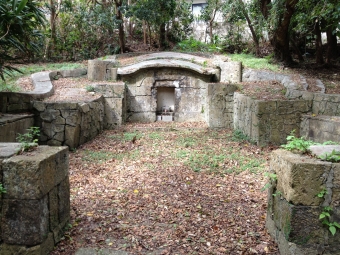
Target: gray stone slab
[
  {"x": 159, "y": 63},
  {"x": 319, "y": 150},
  {"x": 171, "y": 55},
  {"x": 8, "y": 118},
  {"x": 8, "y": 149},
  {"x": 42, "y": 85}
]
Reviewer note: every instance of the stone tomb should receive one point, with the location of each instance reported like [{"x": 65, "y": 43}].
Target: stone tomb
[{"x": 166, "y": 94}]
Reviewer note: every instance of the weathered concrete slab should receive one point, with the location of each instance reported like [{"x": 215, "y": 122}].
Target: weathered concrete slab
[
  {"x": 319, "y": 150},
  {"x": 171, "y": 55},
  {"x": 42, "y": 85},
  {"x": 159, "y": 63},
  {"x": 8, "y": 149}
]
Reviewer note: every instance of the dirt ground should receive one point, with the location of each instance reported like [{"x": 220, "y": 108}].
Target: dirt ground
[{"x": 169, "y": 188}]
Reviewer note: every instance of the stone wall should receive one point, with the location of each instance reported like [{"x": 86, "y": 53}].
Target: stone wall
[
  {"x": 11, "y": 102},
  {"x": 114, "y": 104},
  {"x": 268, "y": 121},
  {"x": 36, "y": 205},
  {"x": 70, "y": 124},
  {"x": 190, "y": 90},
  {"x": 321, "y": 128},
  {"x": 326, "y": 104},
  {"x": 220, "y": 103},
  {"x": 13, "y": 124},
  {"x": 294, "y": 207}
]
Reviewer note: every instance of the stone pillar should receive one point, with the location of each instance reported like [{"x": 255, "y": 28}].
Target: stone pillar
[
  {"x": 36, "y": 205},
  {"x": 294, "y": 206},
  {"x": 231, "y": 72},
  {"x": 99, "y": 70}
]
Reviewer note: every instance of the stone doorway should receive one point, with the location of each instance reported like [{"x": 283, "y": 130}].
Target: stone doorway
[{"x": 165, "y": 103}]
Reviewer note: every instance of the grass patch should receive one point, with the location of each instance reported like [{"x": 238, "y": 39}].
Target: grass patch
[
  {"x": 126, "y": 137},
  {"x": 97, "y": 156},
  {"x": 10, "y": 81},
  {"x": 155, "y": 136},
  {"x": 250, "y": 61}
]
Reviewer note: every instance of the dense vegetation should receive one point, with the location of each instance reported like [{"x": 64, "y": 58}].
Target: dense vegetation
[{"x": 69, "y": 30}]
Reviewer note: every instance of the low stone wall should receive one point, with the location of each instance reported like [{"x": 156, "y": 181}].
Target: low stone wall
[
  {"x": 114, "y": 104},
  {"x": 36, "y": 205},
  {"x": 13, "y": 124},
  {"x": 294, "y": 207},
  {"x": 320, "y": 128},
  {"x": 11, "y": 102},
  {"x": 70, "y": 124},
  {"x": 267, "y": 122},
  {"x": 326, "y": 104},
  {"x": 220, "y": 104}
]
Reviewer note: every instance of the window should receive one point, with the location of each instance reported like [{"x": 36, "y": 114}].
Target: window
[{"x": 196, "y": 9}]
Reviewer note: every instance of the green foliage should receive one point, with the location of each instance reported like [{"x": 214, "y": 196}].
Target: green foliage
[
  {"x": 2, "y": 189},
  {"x": 20, "y": 37},
  {"x": 89, "y": 88},
  {"x": 250, "y": 61},
  {"x": 322, "y": 193},
  {"x": 334, "y": 156},
  {"x": 193, "y": 45},
  {"x": 272, "y": 179},
  {"x": 97, "y": 156},
  {"x": 297, "y": 144},
  {"x": 29, "y": 140},
  {"x": 239, "y": 136},
  {"x": 83, "y": 31},
  {"x": 325, "y": 216},
  {"x": 181, "y": 28}
]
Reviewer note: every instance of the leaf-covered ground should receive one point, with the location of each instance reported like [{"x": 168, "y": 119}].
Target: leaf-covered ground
[{"x": 168, "y": 189}]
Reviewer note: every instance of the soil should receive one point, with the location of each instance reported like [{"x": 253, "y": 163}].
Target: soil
[{"x": 168, "y": 188}]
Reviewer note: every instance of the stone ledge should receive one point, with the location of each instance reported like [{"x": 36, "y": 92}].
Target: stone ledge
[
  {"x": 42, "y": 85},
  {"x": 167, "y": 63}
]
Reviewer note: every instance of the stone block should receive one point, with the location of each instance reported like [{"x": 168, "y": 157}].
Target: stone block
[
  {"x": 33, "y": 176},
  {"x": 59, "y": 121},
  {"x": 113, "y": 113},
  {"x": 72, "y": 136},
  {"x": 84, "y": 107},
  {"x": 142, "y": 104},
  {"x": 72, "y": 118},
  {"x": 45, "y": 248},
  {"x": 49, "y": 115},
  {"x": 64, "y": 200},
  {"x": 53, "y": 208},
  {"x": 299, "y": 178},
  {"x": 25, "y": 222},
  {"x": 39, "y": 106},
  {"x": 58, "y": 128},
  {"x": 139, "y": 90},
  {"x": 231, "y": 71},
  {"x": 54, "y": 142},
  {"x": 111, "y": 90},
  {"x": 143, "y": 117}
]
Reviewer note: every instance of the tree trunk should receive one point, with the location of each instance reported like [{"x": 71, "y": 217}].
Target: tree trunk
[
  {"x": 265, "y": 8},
  {"x": 53, "y": 17},
  {"x": 332, "y": 48},
  {"x": 162, "y": 40},
  {"x": 318, "y": 44},
  {"x": 252, "y": 30},
  {"x": 119, "y": 17},
  {"x": 144, "y": 32},
  {"x": 280, "y": 38}
]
